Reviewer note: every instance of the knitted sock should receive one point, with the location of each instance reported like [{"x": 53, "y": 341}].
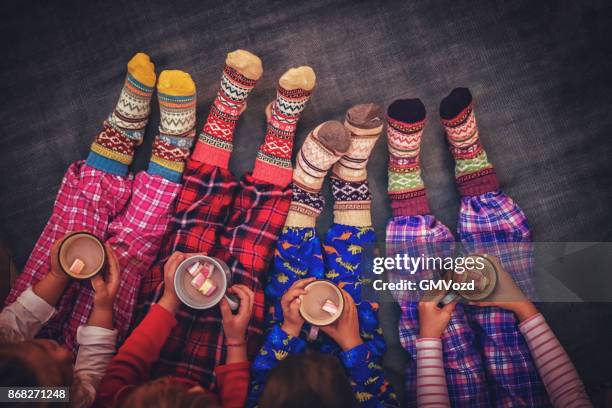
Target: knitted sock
[
  {"x": 473, "y": 172},
  {"x": 241, "y": 72},
  {"x": 273, "y": 163},
  {"x": 406, "y": 118},
  {"x": 176, "y": 92},
  {"x": 352, "y": 200},
  {"x": 113, "y": 149},
  {"x": 323, "y": 147}
]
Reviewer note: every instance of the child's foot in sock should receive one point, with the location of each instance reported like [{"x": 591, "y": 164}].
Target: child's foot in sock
[
  {"x": 365, "y": 122},
  {"x": 473, "y": 172},
  {"x": 241, "y": 72},
  {"x": 352, "y": 199},
  {"x": 134, "y": 106},
  {"x": 113, "y": 149},
  {"x": 406, "y": 118},
  {"x": 323, "y": 147},
  {"x": 273, "y": 164},
  {"x": 176, "y": 92}
]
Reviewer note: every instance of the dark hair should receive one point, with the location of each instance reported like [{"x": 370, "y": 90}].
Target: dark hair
[
  {"x": 306, "y": 381},
  {"x": 15, "y": 369},
  {"x": 19, "y": 366},
  {"x": 165, "y": 393}
]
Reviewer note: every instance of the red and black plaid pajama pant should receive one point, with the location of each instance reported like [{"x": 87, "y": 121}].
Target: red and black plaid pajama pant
[{"x": 236, "y": 221}]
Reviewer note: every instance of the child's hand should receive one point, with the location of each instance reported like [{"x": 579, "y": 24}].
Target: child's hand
[
  {"x": 56, "y": 270},
  {"x": 290, "y": 302},
  {"x": 345, "y": 330},
  {"x": 52, "y": 286},
  {"x": 507, "y": 295},
  {"x": 432, "y": 319},
  {"x": 235, "y": 325},
  {"x": 169, "y": 299},
  {"x": 105, "y": 291}
]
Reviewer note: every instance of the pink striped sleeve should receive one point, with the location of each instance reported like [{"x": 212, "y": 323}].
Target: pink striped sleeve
[
  {"x": 431, "y": 380},
  {"x": 559, "y": 375}
]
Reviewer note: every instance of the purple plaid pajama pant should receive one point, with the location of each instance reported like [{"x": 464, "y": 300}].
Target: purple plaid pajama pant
[
  {"x": 486, "y": 359},
  {"x": 131, "y": 213}
]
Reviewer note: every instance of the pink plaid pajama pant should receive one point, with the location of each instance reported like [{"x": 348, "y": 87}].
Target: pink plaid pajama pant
[{"x": 131, "y": 213}]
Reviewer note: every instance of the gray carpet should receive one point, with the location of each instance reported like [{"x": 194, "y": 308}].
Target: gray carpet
[{"x": 539, "y": 72}]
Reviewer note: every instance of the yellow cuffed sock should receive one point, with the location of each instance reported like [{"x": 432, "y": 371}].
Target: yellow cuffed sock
[{"x": 176, "y": 92}]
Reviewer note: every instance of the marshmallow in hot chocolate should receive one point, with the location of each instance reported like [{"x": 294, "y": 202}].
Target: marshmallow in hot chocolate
[
  {"x": 207, "y": 269},
  {"x": 194, "y": 269},
  {"x": 330, "y": 307},
  {"x": 77, "y": 266},
  {"x": 207, "y": 288},
  {"x": 204, "y": 285},
  {"x": 198, "y": 281}
]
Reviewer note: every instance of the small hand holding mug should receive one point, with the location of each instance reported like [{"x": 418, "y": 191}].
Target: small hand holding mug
[
  {"x": 169, "y": 300},
  {"x": 51, "y": 287},
  {"x": 105, "y": 290},
  {"x": 345, "y": 330},
  {"x": 290, "y": 303},
  {"x": 433, "y": 320},
  {"x": 507, "y": 295},
  {"x": 235, "y": 324}
]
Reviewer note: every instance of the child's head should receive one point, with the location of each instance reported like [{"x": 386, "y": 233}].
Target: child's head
[
  {"x": 165, "y": 393},
  {"x": 32, "y": 363},
  {"x": 308, "y": 380}
]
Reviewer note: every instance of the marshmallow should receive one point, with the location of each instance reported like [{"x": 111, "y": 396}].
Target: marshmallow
[
  {"x": 77, "y": 266},
  {"x": 207, "y": 269},
  {"x": 194, "y": 269},
  {"x": 208, "y": 288},
  {"x": 198, "y": 281},
  {"x": 330, "y": 307}
]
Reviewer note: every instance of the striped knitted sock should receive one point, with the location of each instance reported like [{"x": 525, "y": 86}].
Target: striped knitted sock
[
  {"x": 323, "y": 147},
  {"x": 113, "y": 149},
  {"x": 176, "y": 92},
  {"x": 473, "y": 172},
  {"x": 407, "y": 118},
  {"x": 352, "y": 199},
  {"x": 241, "y": 72},
  {"x": 273, "y": 164}
]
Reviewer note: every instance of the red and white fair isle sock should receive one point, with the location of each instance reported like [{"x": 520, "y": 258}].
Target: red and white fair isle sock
[
  {"x": 273, "y": 164},
  {"x": 474, "y": 173},
  {"x": 240, "y": 75}
]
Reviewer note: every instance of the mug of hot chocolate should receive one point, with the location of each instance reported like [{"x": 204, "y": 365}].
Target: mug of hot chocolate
[
  {"x": 82, "y": 255},
  {"x": 321, "y": 305},
  {"x": 202, "y": 281},
  {"x": 480, "y": 277}
]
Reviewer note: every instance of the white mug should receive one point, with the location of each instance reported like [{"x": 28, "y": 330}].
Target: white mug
[
  {"x": 311, "y": 303},
  {"x": 194, "y": 299}
]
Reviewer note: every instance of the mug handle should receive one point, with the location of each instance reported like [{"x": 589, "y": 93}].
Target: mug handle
[
  {"x": 313, "y": 333},
  {"x": 234, "y": 303},
  {"x": 449, "y": 297}
]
